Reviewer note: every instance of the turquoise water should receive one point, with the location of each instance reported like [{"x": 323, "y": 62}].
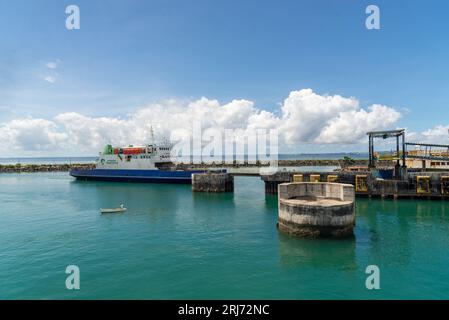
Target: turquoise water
[{"x": 175, "y": 244}]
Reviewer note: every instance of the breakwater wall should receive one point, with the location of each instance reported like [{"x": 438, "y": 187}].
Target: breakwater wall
[
  {"x": 281, "y": 163},
  {"x": 18, "y": 168},
  {"x": 15, "y": 168}
]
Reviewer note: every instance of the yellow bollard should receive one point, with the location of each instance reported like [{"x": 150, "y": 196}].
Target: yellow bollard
[
  {"x": 422, "y": 184},
  {"x": 361, "y": 183},
  {"x": 445, "y": 185}
]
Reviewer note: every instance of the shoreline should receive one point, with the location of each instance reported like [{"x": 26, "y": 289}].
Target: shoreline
[{"x": 18, "y": 168}]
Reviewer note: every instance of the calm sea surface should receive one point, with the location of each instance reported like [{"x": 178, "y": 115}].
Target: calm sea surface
[{"x": 173, "y": 244}]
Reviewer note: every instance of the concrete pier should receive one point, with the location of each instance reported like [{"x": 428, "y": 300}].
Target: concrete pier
[
  {"x": 419, "y": 185},
  {"x": 272, "y": 181},
  {"x": 212, "y": 182},
  {"x": 316, "y": 209}
]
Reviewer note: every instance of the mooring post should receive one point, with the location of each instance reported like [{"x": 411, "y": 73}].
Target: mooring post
[{"x": 212, "y": 182}]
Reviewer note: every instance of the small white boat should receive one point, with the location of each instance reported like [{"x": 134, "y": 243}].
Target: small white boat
[{"x": 114, "y": 210}]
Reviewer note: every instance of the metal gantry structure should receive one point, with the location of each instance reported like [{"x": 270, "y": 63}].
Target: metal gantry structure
[
  {"x": 429, "y": 152},
  {"x": 400, "y": 142},
  {"x": 422, "y": 151}
]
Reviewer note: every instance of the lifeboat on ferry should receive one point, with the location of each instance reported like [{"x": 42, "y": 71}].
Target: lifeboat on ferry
[{"x": 133, "y": 150}]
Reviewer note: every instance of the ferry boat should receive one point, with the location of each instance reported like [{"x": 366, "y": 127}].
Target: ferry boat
[{"x": 148, "y": 163}]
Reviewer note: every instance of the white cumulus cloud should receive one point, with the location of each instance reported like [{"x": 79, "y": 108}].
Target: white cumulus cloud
[
  {"x": 51, "y": 75},
  {"x": 53, "y": 64},
  {"x": 438, "y": 134},
  {"x": 31, "y": 135},
  {"x": 50, "y": 79},
  {"x": 351, "y": 125},
  {"x": 304, "y": 117}
]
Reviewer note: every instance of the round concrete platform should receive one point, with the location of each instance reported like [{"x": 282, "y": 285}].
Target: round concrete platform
[{"x": 312, "y": 210}]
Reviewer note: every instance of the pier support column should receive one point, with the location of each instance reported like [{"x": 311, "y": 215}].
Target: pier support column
[
  {"x": 212, "y": 182},
  {"x": 272, "y": 181},
  {"x": 317, "y": 209}
]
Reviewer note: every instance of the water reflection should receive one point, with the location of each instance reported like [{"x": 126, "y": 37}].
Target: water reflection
[
  {"x": 390, "y": 226},
  {"x": 154, "y": 200},
  {"x": 319, "y": 253},
  {"x": 271, "y": 202},
  {"x": 209, "y": 206}
]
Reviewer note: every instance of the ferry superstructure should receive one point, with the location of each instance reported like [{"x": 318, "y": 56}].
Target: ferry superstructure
[{"x": 147, "y": 163}]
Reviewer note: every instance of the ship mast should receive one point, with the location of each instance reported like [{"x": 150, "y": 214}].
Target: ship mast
[{"x": 151, "y": 135}]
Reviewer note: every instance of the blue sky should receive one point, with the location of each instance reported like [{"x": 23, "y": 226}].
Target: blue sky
[{"x": 129, "y": 54}]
